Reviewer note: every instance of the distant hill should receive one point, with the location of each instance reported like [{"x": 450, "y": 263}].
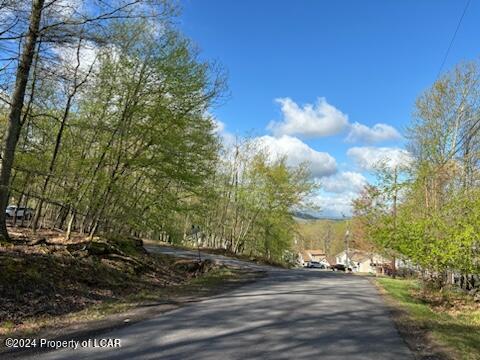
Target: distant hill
[{"x": 303, "y": 215}]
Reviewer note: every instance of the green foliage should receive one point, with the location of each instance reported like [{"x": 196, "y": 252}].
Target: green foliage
[
  {"x": 252, "y": 196},
  {"x": 127, "y": 148},
  {"x": 429, "y": 211},
  {"x": 137, "y": 142}
]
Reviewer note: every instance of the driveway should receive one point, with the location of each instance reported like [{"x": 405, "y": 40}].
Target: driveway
[{"x": 290, "y": 314}]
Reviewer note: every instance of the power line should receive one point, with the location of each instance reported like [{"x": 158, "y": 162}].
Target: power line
[{"x": 453, "y": 39}]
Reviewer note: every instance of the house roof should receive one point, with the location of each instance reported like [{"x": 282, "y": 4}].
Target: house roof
[
  {"x": 308, "y": 254},
  {"x": 357, "y": 255},
  {"x": 305, "y": 255},
  {"x": 316, "y": 252}
]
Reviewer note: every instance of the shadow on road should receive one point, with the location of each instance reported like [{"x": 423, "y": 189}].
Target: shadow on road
[{"x": 289, "y": 315}]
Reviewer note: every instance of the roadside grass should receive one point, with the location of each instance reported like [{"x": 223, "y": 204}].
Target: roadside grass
[
  {"x": 215, "y": 277},
  {"x": 451, "y": 318}
]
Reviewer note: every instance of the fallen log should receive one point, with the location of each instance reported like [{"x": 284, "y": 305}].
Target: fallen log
[{"x": 38, "y": 241}]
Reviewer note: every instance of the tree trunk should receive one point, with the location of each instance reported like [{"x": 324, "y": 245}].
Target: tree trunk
[
  {"x": 53, "y": 161},
  {"x": 395, "y": 196},
  {"x": 14, "y": 117},
  {"x": 70, "y": 225}
]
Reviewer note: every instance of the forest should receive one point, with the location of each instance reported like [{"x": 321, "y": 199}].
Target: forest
[{"x": 106, "y": 130}]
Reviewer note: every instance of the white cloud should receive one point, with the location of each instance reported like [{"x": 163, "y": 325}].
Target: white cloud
[
  {"x": 220, "y": 129},
  {"x": 65, "y": 9},
  {"x": 368, "y": 157},
  {"x": 342, "y": 182},
  {"x": 321, "y": 119},
  {"x": 219, "y": 126},
  {"x": 335, "y": 205},
  {"x": 337, "y": 192},
  {"x": 86, "y": 57},
  {"x": 378, "y": 133},
  {"x": 321, "y": 163}
]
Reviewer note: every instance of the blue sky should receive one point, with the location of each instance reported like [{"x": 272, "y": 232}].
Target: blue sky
[{"x": 367, "y": 59}]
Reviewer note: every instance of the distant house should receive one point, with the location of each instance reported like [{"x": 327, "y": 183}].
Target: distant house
[
  {"x": 313, "y": 255},
  {"x": 362, "y": 261}
]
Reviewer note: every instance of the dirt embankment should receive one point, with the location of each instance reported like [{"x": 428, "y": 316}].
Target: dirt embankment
[{"x": 46, "y": 276}]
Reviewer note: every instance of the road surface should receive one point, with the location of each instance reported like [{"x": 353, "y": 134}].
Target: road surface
[
  {"x": 191, "y": 254},
  {"x": 290, "y": 314}
]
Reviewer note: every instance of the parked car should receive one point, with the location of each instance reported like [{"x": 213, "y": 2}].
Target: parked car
[
  {"x": 338, "y": 267},
  {"x": 22, "y": 212},
  {"x": 315, "y": 264}
]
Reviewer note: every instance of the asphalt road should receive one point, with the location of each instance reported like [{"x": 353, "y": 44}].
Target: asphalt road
[
  {"x": 290, "y": 314},
  {"x": 220, "y": 258}
]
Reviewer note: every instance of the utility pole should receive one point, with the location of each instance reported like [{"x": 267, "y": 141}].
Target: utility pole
[
  {"x": 395, "y": 196},
  {"x": 347, "y": 248}
]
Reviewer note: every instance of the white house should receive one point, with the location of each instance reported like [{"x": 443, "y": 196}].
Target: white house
[
  {"x": 361, "y": 261},
  {"x": 312, "y": 255}
]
